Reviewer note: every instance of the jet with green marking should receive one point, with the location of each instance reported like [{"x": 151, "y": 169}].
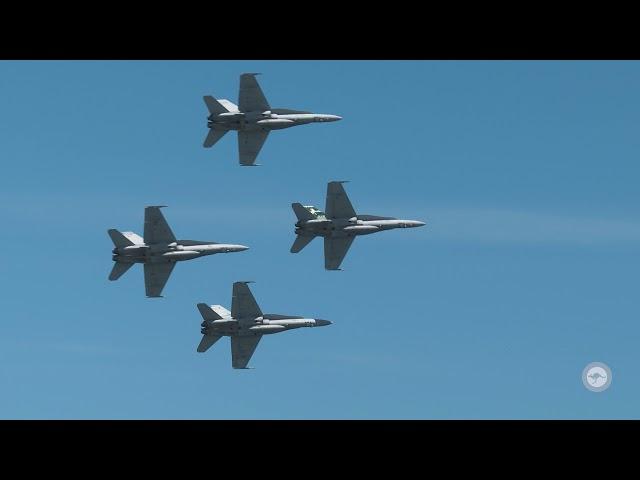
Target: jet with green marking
[{"x": 339, "y": 224}]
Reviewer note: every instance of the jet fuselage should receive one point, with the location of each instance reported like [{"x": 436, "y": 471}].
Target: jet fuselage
[
  {"x": 349, "y": 227},
  {"x": 173, "y": 252},
  {"x": 258, "y": 326},
  {"x": 265, "y": 120}
]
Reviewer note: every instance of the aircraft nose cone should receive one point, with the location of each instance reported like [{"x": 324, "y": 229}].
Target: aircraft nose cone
[
  {"x": 335, "y": 118},
  {"x": 322, "y": 323},
  {"x": 235, "y": 248},
  {"x": 411, "y": 223}
]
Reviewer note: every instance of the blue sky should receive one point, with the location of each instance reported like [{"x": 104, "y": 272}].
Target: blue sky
[{"x": 525, "y": 172}]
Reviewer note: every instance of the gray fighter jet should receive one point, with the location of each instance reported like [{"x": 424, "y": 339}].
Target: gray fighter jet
[
  {"x": 339, "y": 224},
  {"x": 245, "y": 324},
  {"x": 158, "y": 251},
  {"x": 253, "y": 118}
]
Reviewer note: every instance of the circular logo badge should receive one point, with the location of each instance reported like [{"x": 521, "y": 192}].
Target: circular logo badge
[{"x": 596, "y": 377}]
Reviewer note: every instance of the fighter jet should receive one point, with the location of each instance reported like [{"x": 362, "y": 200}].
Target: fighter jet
[
  {"x": 339, "y": 224},
  {"x": 253, "y": 118},
  {"x": 158, "y": 251},
  {"x": 245, "y": 324}
]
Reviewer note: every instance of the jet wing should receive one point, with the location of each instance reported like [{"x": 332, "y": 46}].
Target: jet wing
[
  {"x": 243, "y": 304},
  {"x": 338, "y": 204},
  {"x": 213, "y": 136},
  {"x": 156, "y": 229},
  {"x": 335, "y": 250},
  {"x": 242, "y": 349},
  {"x": 156, "y": 276},
  {"x": 249, "y": 145},
  {"x": 251, "y": 98}
]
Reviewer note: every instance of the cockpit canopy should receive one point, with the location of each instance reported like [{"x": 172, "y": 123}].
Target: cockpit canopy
[{"x": 373, "y": 217}]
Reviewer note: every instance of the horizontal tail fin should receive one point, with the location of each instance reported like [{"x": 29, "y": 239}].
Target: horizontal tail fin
[
  {"x": 214, "y": 106},
  {"x": 119, "y": 269},
  {"x": 232, "y": 107},
  {"x": 213, "y": 136},
  {"x": 118, "y": 239},
  {"x": 207, "y": 312},
  {"x": 300, "y": 242},
  {"x": 207, "y": 341},
  {"x": 302, "y": 213},
  {"x": 220, "y": 310}
]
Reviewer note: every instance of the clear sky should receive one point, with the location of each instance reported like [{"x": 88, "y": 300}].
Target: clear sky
[{"x": 525, "y": 172}]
